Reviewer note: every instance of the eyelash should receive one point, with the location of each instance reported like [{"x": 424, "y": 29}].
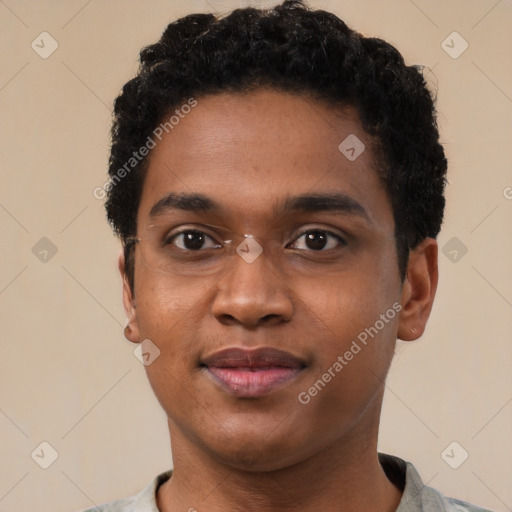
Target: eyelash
[{"x": 341, "y": 241}]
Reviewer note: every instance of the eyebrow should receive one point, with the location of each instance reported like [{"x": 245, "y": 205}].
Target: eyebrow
[
  {"x": 185, "y": 202},
  {"x": 325, "y": 202},
  {"x": 329, "y": 202}
]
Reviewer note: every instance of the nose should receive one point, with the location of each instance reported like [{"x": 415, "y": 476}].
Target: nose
[{"x": 252, "y": 294}]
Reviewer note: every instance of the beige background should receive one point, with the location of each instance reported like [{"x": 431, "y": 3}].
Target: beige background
[{"x": 69, "y": 378}]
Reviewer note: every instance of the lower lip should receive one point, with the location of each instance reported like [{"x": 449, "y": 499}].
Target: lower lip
[{"x": 244, "y": 382}]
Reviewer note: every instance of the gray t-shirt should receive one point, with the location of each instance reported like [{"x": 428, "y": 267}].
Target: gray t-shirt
[{"x": 416, "y": 497}]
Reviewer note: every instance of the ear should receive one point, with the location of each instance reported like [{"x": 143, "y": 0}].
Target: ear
[
  {"x": 419, "y": 290},
  {"x": 131, "y": 331}
]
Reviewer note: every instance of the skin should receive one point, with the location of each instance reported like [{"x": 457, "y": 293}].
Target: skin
[{"x": 248, "y": 153}]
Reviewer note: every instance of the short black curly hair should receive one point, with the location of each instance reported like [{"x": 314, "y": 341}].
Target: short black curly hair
[{"x": 294, "y": 49}]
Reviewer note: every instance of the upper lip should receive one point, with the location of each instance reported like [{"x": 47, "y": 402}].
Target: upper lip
[{"x": 235, "y": 357}]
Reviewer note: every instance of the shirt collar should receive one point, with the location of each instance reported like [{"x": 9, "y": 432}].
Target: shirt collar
[{"x": 416, "y": 496}]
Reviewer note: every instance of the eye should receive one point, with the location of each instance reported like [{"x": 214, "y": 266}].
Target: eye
[
  {"x": 192, "y": 240},
  {"x": 318, "y": 240}
]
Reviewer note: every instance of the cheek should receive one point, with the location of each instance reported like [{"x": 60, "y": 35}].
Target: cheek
[
  {"x": 169, "y": 312},
  {"x": 166, "y": 303},
  {"x": 345, "y": 304},
  {"x": 367, "y": 315},
  {"x": 358, "y": 312},
  {"x": 349, "y": 371}
]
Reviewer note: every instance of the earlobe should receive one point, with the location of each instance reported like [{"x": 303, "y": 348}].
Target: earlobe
[
  {"x": 131, "y": 330},
  {"x": 419, "y": 290}
]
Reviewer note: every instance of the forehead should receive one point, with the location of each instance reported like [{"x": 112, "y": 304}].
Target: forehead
[{"x": 249, "y": 150}]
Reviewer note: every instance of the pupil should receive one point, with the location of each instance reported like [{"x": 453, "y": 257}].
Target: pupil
[
  {"x": 316, "y": 240},
  {"x": 193, "y": 240}
]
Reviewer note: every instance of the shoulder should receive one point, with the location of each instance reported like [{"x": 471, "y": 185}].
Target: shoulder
[
  {"x": 416, "y": 496},
  {"x": 462, "y": 506},
  {"x": 144, "y": 501}
]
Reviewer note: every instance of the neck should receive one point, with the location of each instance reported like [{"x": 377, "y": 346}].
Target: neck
[{"x": 337, "y": 478}]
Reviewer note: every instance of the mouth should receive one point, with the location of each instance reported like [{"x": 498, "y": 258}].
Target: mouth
[{"x": 252, "y": 373}]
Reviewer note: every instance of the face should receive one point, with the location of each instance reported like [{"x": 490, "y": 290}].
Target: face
[{"x": 309, "y": 323}]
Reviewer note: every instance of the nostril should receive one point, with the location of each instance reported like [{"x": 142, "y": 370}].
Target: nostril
[
  {"x": 271, "y": 319},
  {"x": 227, "y": 319}
]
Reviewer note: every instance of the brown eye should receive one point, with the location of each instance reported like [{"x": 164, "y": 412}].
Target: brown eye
[
  {"x": 192, "y": 240},
  {"x": 318, "y": 240}
]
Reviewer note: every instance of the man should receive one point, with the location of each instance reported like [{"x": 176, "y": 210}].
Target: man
[{"x": 277, "y": 183}]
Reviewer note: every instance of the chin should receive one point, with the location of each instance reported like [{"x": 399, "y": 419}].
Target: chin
[
  {"x": 262, "y": 458},
  {"x": 252, "y": 451}
]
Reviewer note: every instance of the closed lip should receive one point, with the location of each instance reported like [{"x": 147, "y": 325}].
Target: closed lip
[
  {"x": 253, "y": 373},
  {"x": 262, "y": 357}
]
